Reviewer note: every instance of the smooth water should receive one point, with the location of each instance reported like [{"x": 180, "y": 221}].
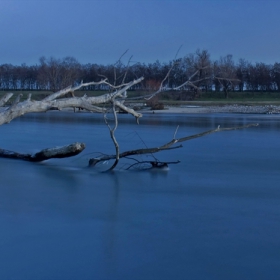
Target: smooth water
[{"x": 213, "y": 216}]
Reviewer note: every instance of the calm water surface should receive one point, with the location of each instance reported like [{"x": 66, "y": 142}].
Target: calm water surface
[{"x": 213, "y": 216}]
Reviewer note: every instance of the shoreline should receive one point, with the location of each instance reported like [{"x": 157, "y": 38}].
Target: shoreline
[
  {"x": 196, "y": 109},
  {"x": 203, "y": 109},
  {"x": 235, "y": 108}
]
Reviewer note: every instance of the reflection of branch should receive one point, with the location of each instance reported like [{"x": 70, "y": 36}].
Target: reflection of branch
[
  {"x": 153, "y": 164},
  {"x": 167, "y": 146}
]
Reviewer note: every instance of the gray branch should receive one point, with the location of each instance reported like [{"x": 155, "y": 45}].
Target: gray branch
[
  {"x": 51, "y": 102},
  {"x": 167, "y": 146}
]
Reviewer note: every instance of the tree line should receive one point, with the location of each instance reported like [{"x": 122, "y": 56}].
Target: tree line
[{"x": 222, "y": 75}]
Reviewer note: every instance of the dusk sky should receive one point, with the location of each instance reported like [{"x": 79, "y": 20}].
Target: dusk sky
[{"x": 99, "y": 31}]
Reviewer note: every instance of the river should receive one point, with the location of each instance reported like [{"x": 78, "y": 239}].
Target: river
[{"x": 213, "y": 216}]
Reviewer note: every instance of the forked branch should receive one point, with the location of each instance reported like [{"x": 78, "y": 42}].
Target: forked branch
[
  {"x": 92, "y": 104},
  {"x": 167, "y": 146}
]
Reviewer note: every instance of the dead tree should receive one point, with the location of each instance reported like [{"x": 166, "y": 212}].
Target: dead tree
[
  {"x": 57, "y": 102},
  {"x": 114, "y": 100}
]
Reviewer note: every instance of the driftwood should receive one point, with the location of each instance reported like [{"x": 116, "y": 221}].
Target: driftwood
[
  {"x": 57, "y": 152},
  {"x": 114, "y": 101},
  {"x": 167, "y": 146},
  {"x": 55, "y": 101}
]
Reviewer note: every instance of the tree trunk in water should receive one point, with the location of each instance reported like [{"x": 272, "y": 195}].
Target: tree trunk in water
[{"x": 57, "y": 152}]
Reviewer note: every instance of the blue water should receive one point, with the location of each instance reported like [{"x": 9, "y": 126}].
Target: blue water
[{"x": 213, "y": 216}]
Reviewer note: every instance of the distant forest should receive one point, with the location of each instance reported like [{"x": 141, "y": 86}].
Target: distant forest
[{"x": 223, "y": 75}]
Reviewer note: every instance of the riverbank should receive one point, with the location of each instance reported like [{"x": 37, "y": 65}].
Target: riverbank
[
  {"x": 235, "y": 108},
  {"x": 198, "y": 109}
]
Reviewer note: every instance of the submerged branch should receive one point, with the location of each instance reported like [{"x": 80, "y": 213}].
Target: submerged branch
[
  {"x": 167, "y": 146},
  {"x": 112, "y": 134},
  {"x": 218, "y": 129}
]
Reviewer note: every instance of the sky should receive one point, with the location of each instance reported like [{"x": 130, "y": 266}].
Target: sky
[{"x": 100, "y": 31}]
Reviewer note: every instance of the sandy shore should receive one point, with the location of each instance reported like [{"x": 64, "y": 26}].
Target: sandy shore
[{"x": 245, "y": 109}]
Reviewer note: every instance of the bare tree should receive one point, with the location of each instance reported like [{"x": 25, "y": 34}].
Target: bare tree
[
  {"x": 252, "y": 78},
  {"x": 264, "y": 77},
  {"x": 242, "y": 74},
  {"x": 55, "y": 74},
  {"x": 225, "y": 73},
  {"x": 6, "y": 72},
  {"x": 70, "y": 71},
  {"x": 276, "y": 75}
]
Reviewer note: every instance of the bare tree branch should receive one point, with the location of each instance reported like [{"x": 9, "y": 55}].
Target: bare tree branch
[
  {"x": 169, "y": 71},
  {"x": 5, "y": 99},
  {"x": 167, "y": 146},
  {"x": 112, "y": 134},
  {"x": 72, "y": 89},
  {"x": 127, "y": 67},
  {"x": 50, "y": 102},
  {"x": 189, "y": 81},
  {"x": 115, "y": 69}
]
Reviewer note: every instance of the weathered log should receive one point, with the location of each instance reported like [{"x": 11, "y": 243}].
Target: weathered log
[{"x": 56, "y": 152}]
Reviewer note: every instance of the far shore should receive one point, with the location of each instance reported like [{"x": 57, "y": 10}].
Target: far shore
[
  {"x": 235, "y": 108},
  {"x": 200, "y": 109}
]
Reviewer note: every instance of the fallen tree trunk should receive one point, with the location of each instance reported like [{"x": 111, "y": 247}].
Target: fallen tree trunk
[{"x": 56, "y": 152}]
